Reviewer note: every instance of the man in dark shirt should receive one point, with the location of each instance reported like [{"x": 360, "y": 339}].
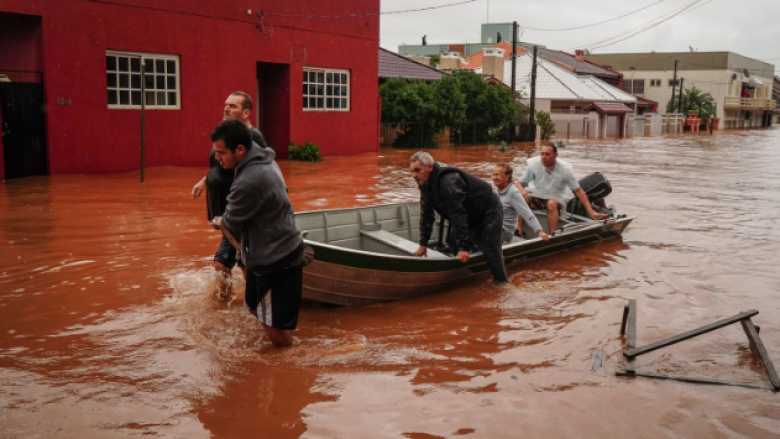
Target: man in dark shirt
[
  {"x": 218, "y": 181},
  {"x": 468, "y": 203}
]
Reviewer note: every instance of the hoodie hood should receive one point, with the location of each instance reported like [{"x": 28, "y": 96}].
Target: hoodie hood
[{"x": 256, "y": 156}]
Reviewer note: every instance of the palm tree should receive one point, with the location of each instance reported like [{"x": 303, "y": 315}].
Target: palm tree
[{"x": 693, "y": 100}]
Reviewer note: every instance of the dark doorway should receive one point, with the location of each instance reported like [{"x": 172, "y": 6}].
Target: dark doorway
[
  {"x": 273, "y": 105},
  {"x": 24, "y": 129}
]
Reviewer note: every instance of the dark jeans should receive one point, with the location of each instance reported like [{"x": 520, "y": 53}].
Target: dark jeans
[
  {"x": 487, "y": 238},
  {"x": 226, "y": 254}
]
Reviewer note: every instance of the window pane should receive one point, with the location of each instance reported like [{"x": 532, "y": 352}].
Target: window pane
[
  {"x": 135, "y": 65},
  {"x": 337, "y": 79},
  {"x": 124, "y": 80},
  {"x": 343, "y": 91},
  {"x": 159, "y": 66},
  {"x": 171, "y": 83},
  {"x": 111, "y": 80},
  {"x": 329, "y": 77},
  {"x": 171, "y": 66},
  {"x": 112, "y": 100},
  {"x": 337, "y": 104},
  {"x": 312, "y": 103},
  {"x": 172, "y": 98},
  {"x": 124, "y": 64},
  {"x": 148, "y": 65},
  {"x": 160, "y": 98},
  {"x": 320, "y": 90},
  {"x": 305, "y": 76},
  {"x": 149, "y": 81},
  {"x": 160, "y": 82},
  {"x": 110, "y": 63},
  {"x": 305, "y": 102},
  {"x": 329, "y": 91},
  {"x": 136, "y": 81},
  {"x": 330, "y": 102},
  {"x": 150, "y": 98},
  {"x": 343, "y": 78},
  {"x": 124, "y": 97},
  {"x": 136, "y": 97},
  {"x": 320, "y": 103},
  {"x": 320, "y": 77}
]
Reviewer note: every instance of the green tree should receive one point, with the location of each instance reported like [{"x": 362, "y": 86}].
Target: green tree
[
  {"x": 692, "y": 100},
  {"x": 435, "y": 60},
  {"x": 491, "y": 109},
  {"x": 420, "y": 110},
  {"x": 544, "y": 120}
]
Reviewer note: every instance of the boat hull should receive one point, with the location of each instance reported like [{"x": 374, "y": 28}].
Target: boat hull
[{"x": 349, "y": 277}]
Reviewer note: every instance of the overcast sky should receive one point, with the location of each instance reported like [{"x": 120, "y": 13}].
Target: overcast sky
[{"x": 747, "y": 27}]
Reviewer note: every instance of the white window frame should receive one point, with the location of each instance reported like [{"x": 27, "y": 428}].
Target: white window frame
[
  {"x": 655, "y": 82},
  {"x": 320, "y": 86},
  {"x": 118, "y": 87}
]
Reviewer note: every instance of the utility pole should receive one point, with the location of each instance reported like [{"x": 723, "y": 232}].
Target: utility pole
[
  {"x": 532, "y": 114},
  {"x": 679, "y": 103},
  {"x": 514, "y": 58},
  {"x": 143, "y": 119},
  {"x": 674, "y": 81}
]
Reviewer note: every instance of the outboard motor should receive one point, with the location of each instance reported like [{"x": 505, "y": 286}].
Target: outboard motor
[{"x": 596, "y": 187}]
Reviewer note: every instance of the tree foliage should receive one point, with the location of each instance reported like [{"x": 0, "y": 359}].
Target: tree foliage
[
  {"x": 544, "y": 120},
  {"x": 421, "y": 109},
  {"x": 692, "y": 100}
]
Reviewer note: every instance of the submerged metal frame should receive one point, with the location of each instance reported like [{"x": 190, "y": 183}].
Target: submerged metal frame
[{"x": 628, "y": 329}]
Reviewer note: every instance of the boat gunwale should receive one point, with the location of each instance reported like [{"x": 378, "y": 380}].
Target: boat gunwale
[{"x": 511, "y": 246}]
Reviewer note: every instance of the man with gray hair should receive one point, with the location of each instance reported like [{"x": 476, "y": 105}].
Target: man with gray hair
[{"x": 468, "y": 203}]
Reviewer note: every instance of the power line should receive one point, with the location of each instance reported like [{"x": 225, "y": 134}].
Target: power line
[
  {"x": 594, "y": 24},
  {"x": 643, "y": 28},
  {"x": 403, "y": 11}
]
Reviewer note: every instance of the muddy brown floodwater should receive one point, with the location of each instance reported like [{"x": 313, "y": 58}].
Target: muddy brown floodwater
[{"x": 110, "y": 325}]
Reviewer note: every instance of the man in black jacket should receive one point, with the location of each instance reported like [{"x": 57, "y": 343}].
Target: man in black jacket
[{"x": 468, "y": 203}]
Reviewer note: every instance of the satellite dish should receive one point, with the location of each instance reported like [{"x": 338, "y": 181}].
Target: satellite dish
[{"x": 746, "y": 72}]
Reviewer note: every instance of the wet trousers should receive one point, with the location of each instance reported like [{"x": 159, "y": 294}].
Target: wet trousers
[{"x": 486, "y": 237}]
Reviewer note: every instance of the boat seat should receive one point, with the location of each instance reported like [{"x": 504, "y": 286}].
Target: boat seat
[{"x": 398, "y": 243}]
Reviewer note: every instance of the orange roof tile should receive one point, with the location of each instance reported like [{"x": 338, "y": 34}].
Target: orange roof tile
[{"x": 476, "y": 60}]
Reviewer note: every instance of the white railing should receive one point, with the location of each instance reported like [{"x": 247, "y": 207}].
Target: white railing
[{"x": 749, "y": 104}]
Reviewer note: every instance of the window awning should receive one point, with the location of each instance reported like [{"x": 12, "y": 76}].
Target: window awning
[{"x": 608, "y": 108}]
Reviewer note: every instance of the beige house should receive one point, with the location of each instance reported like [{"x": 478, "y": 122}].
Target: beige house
[{"x": 740, "y": 86}]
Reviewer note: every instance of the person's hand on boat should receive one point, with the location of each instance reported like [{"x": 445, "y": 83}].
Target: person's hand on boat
[
  {"x": 544, "y": 236},
  {"x": 199, "y": 187},
  {"x": 464, "y": 256},
  {"x": 598, "y": 216},
  {"x": 422, "y": 251}
]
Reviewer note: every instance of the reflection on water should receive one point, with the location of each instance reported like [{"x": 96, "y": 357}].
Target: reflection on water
[{"x": 112, "y": 326}]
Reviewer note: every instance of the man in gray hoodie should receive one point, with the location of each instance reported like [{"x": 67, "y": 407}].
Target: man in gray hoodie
[{"x": 271, "y": 245}]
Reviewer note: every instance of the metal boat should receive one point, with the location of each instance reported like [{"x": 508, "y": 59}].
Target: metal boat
[{"x": 363, "y": 255}]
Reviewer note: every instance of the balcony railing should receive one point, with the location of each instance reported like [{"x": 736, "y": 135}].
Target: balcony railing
[{"x": 750, "y": 104}]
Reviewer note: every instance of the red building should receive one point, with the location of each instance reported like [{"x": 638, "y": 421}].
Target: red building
[{"x": 73, "y": 103}]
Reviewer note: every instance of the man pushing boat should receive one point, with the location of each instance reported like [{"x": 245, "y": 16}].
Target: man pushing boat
[{"x": 474, "y": 211}]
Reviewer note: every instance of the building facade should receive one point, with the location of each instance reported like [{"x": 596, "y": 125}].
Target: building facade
[
  {"x": 91, "y": 64},
  {"x": 740, "y": 86},
  {"x": 492, "y": 33}
]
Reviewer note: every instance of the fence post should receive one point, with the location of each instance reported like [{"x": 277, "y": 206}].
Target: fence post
[
  {"x": 568, "y": 130},
  {"x": 586, "y": 128}
]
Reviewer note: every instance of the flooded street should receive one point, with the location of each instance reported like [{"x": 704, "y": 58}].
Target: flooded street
[{"x": 111, "y": 325}]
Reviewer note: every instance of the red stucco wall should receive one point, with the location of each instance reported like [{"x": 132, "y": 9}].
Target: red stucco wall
[{"x": 219, "y": 45}]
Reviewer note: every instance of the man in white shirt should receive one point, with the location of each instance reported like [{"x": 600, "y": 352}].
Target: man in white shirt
[{"x": 554, "y": 182}]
